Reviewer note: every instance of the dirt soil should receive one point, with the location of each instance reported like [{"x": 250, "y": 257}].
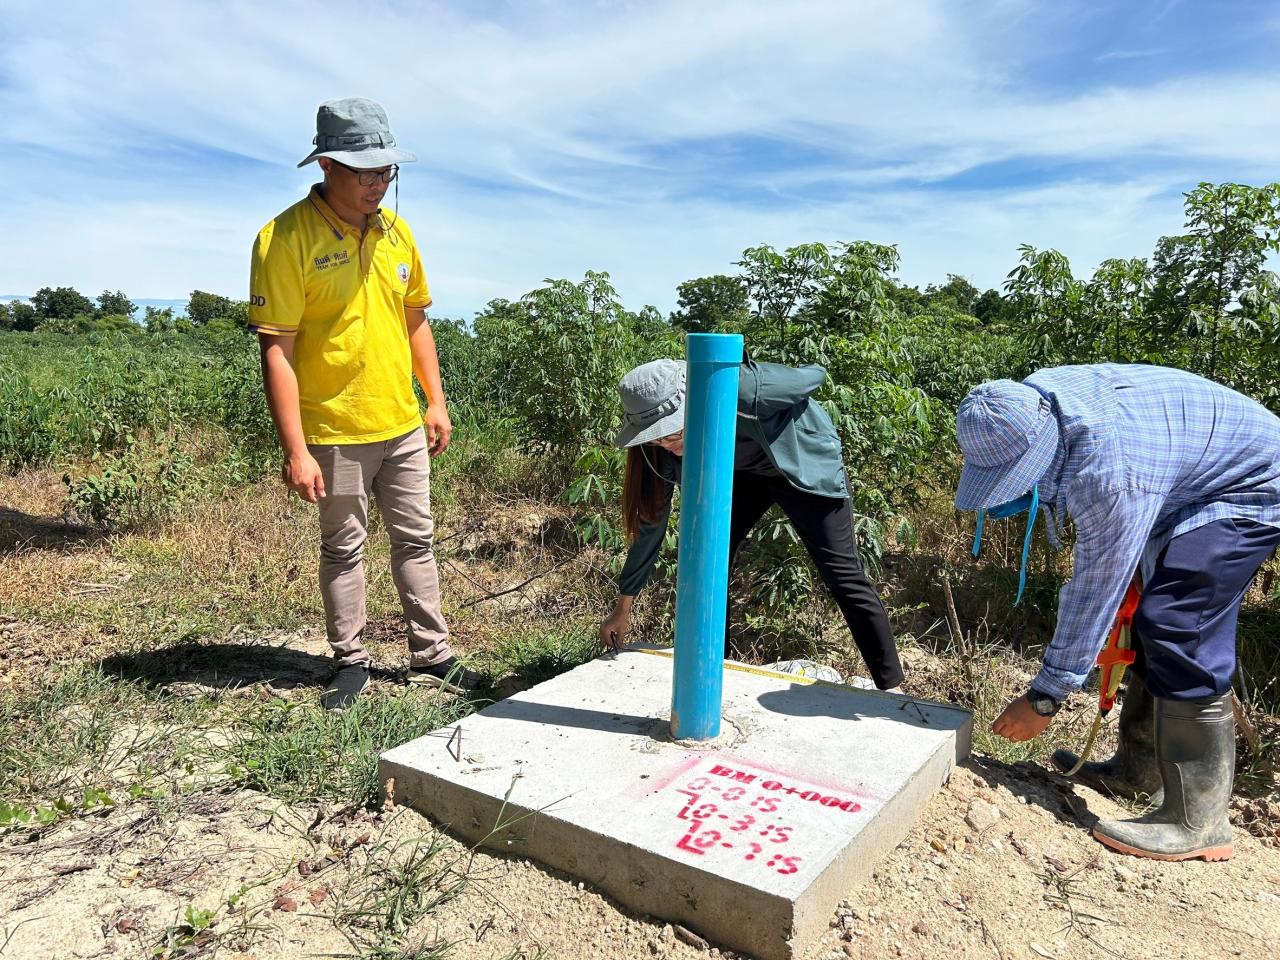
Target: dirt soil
[
  {"x": 235, "y": 874},
  {"x": 1033, "y": 884}
]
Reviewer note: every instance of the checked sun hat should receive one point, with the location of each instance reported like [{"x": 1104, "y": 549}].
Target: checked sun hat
[
  {"x": 1008, "y": 434},
  {"x": 355, "y": 132},
  {"x": 652, "y": 402}
]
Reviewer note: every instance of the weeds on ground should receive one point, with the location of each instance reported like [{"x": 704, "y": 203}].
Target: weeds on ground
[
  {"x": 296, "y": 751},
  {"x": 534, "y": 655},
  {"x": 89, "y": 741},
  {"x": 190, "y": 936},
  {"x": 401, "y": 882},
  {"x": 1259, "y": 658},
  {"x": 1061, "y": 892},
  {"x": 133, "y": 489}
]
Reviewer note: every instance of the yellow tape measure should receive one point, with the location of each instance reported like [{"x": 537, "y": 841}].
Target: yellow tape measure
[{"x": 774, "y": 674}]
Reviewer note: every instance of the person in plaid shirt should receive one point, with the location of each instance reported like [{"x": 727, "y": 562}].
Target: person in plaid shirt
[{"x": 1174, "y": 478}]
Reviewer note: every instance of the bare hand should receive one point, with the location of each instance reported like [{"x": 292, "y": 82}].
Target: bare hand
[
  {"x": 613, "y": 632},
  {"x": 439, "y": 429},
  {"x": 1020, "y": 722},
  {"x": 302, "y": 475}
]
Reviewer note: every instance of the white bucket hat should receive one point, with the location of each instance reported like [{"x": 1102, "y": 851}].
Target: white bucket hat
[{"x": 652, "y": 402}]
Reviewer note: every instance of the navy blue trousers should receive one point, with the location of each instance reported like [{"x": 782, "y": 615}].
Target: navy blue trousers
[{"x": 1186, "y": 623}]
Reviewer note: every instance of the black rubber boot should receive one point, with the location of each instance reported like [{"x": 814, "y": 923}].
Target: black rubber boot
[
  {"x": 1132, "y": 773},
  {"x": 1196, "y": 751}
]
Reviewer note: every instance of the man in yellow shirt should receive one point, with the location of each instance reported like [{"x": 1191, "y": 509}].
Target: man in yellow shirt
[{"x": 338, "y": 298}]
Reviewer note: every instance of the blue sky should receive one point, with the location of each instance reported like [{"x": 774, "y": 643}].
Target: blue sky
[{"x": 146, "y": 143}]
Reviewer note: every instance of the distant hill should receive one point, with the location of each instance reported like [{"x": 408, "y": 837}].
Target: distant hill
[{"x": 179, "y": 306}]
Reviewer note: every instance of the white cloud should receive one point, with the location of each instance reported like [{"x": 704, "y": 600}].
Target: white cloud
[
  {"x": 1132, "y": 54},
  {"x": 554, "y": 137}
]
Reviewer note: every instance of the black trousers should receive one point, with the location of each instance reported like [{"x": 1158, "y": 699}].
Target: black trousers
[{"x": 825, "y": 527}]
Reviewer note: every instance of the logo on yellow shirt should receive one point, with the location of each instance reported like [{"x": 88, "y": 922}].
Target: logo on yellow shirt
[
  {"x": 402, "y": 272},
  {"x": 336, "y": 259}
]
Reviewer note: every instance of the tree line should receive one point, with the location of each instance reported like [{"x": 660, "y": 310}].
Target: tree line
[
  {"x": 67, "y": 310},
  {"x": 539, "y": 373}
]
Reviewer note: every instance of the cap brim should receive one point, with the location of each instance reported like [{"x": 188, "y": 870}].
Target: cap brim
[
  {"x": 981, "y": 488},
  {"x": 364, "y": 159},
  {"x": 630, "y": 436}
]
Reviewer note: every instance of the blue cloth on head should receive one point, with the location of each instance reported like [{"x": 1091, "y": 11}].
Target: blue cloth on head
[{"x": 1027, "y": 502}]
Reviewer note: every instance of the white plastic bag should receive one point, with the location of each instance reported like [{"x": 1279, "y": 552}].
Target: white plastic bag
[{"x": 807, "y": 668}]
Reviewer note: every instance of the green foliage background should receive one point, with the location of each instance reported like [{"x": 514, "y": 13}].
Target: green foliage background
[{"x": 163, "y": 409}]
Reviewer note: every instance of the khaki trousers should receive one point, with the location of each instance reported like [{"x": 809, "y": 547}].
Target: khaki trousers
[{"x": 398, "y": 474}]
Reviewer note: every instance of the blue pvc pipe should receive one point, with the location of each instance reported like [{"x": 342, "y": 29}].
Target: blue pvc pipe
[{"x": 706, "y": 492}]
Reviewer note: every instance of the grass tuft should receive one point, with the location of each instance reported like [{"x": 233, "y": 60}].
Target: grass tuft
[{"x": 296, "y": 751}]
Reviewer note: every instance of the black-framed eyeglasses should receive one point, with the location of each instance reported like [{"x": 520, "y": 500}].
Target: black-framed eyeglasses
[
  {"x": 368, "y": 178},
  {"x": 669, "y": 439}
]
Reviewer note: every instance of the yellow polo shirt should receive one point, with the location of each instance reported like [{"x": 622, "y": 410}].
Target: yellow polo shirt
[{"x": 342, "y": 297}]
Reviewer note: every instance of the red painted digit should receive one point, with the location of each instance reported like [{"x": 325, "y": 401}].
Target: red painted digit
[
  {"x": 765, "y": 804},
  {"x": 746, "y": 821},
  {"x": 733, "y": 793},
  {"x": 685, "y": 842},
  {"x": 781, "y": 834},
  {"x": 693, "y": 798},
  {"x": 700, "y": 784},
  {"x": 705, "y": 811},
  {"x": 706, "y": 839},
  {"x": 790, "y": 865},
  {"x": 755, "y": 848}
]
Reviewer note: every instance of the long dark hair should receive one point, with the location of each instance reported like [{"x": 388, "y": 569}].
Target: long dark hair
[{"x": 643, "y": 491}]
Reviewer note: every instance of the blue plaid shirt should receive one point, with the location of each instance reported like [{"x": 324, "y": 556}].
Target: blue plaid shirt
[{"x": 1145, "y": 454}]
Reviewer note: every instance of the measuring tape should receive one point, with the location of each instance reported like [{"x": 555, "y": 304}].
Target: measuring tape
[{"x": 776, "y": 674}]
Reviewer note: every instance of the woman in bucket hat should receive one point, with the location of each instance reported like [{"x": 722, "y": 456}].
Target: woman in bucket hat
[
  {"x": 1167, "y": 475},
  {"x": 786, "y": 452}
]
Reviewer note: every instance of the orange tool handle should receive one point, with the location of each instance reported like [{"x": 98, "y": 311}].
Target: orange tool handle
[{"x": 1117, "y": 654}]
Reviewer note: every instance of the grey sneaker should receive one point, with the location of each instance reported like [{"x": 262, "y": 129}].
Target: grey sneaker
[
  {"x": 345, "y": 687},
  {"x": 450, "y": 674}
]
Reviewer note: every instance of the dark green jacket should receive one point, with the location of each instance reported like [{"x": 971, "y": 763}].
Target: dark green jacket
[{"x": 774, "y": 411}]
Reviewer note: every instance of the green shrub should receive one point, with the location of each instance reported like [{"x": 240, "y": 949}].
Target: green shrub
[
  {"x": 554, "y": 358},
  {"x": 27, "y": 432},
  {"x": 138, "y": 487}
]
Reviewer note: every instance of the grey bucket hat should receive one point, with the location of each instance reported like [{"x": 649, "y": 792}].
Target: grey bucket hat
[
  {"x": 652, "y": 402},
  {"x": 1008, "y": 434},
  {"x": 355, "y": 132}
]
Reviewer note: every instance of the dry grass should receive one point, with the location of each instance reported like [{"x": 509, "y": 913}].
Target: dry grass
[{"x": 226, "y": 595}]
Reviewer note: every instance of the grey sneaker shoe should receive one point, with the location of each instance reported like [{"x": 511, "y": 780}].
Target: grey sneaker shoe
[
  {"x": 346, "y": 685},
  {"x": 450, "y": 674}
]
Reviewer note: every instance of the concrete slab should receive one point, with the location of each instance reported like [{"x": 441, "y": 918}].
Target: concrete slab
[{"x": 750, "y": 841}]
